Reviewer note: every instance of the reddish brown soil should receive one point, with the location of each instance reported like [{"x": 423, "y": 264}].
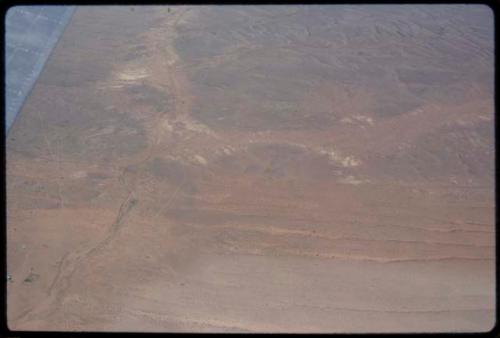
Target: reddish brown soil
[{"x": 287, "y": 169}]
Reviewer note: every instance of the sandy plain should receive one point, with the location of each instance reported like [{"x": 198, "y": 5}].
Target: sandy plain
[{"x": 257, "y": 169}]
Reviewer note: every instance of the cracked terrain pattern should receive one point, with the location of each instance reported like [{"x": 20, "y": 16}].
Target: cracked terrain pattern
[{"x": 257, "y": 169}]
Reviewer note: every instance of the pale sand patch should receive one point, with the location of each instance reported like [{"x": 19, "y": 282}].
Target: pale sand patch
[
  {"x": 200, "y": 159},
  {"x": 351, "y": 180},
  {"x": 133, "y": 74}
]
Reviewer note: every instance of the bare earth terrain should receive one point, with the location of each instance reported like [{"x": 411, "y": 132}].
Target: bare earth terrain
[{"x": 269, "y": 169}]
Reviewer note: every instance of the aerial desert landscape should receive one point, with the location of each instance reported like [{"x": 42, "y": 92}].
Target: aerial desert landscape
[{"x": 257, "y": 169}]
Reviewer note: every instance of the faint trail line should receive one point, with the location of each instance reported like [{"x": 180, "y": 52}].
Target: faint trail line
[
  {"x": 402, "y": 311},
  {"x": 59, "y": 171},
  {"x": 51, "y": 153},
  {"x": 181, "y": 106},
  {"x": 71, "y": 261},
  {"x": 423, "y": 228},
  {"x": 387, "y": 260},
  {"x": 351, "y": 258},
  {"x": 172, "y": 196},
  {"x": 58, "y": 273},
  {"x": 306, "y": 233}
]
